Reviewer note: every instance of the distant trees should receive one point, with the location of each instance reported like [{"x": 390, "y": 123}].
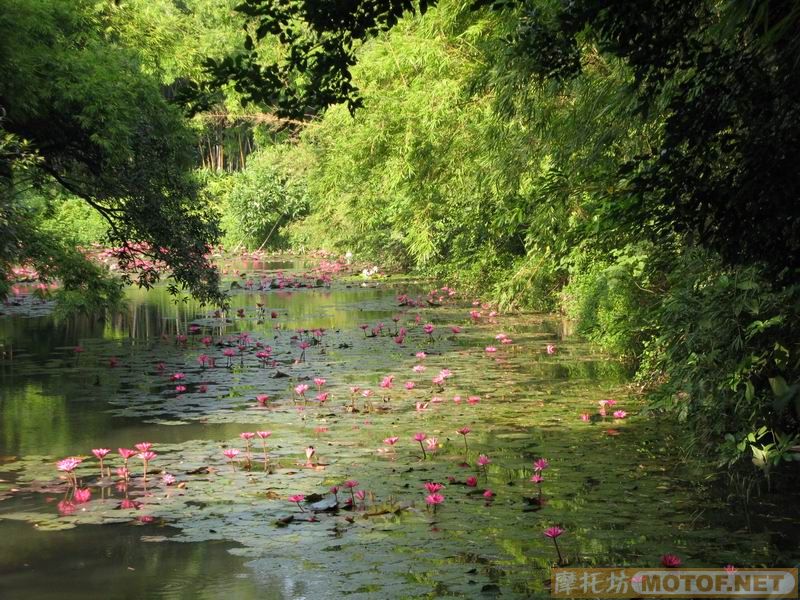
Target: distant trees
[{"x": 723, "y": 74}]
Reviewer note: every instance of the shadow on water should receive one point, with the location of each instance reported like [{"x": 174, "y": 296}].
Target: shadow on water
[{"x": 113, "y": 561}]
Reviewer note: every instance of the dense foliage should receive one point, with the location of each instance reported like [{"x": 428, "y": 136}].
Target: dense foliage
[
  {"x": 630, "y": 167},
  {"x": 256, "y": 202},
  {"x": 78, "y": 114}
]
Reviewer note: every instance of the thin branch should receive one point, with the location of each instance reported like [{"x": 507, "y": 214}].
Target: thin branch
[{"x": 105, "y": 211}]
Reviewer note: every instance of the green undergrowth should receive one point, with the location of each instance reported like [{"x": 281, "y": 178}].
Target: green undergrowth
[{"x": 463, "y": 167}]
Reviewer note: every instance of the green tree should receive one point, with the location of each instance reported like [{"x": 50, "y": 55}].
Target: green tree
[{"x": 78, "y": 112}]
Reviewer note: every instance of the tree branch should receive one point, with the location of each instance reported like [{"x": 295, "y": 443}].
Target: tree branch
[{"x": 105, "y": 211}]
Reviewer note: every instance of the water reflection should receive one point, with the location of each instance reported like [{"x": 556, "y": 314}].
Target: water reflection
[
  {"x": 624, "y": 498},
  {"x": 113, "y": 561}
]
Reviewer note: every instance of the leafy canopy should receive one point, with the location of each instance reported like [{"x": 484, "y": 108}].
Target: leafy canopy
[
  {"x": 723, "y": 74},
  {"x": 79, "y": 113}
]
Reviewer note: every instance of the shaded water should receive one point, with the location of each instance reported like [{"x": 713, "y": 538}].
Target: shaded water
[{"x": 622, "y": 489}]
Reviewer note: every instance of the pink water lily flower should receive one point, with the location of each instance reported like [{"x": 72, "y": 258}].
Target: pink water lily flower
[
  {"x": 464, "y": 431},
  {"x": 420, "y": 437},
  {"x": 391, "y": 441},
  {"x": 671, "y": 561},
  {"x": 553, "y": 532},
  {"x": 434, "y": 500},
  {"x": 297, "y": 499},
  {"x": 68, "y": 465},
  {"x": 540, "y": 464},
  {"x": 433, "y": 487},
  {"x": 147, "y": 457},
  {"x": 100, "y": 452},
  {"x": 351, "y": 484},
  {"x": 82, "y": 495}
]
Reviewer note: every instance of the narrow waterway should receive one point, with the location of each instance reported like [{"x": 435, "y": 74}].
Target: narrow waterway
[{"x": 622, "y": 488}]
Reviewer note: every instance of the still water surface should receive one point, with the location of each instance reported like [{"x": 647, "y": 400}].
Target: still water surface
[{"x": 624, "y": 490}]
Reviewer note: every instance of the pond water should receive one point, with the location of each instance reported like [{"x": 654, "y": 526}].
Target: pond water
[{"x": 624, "y": 489}]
